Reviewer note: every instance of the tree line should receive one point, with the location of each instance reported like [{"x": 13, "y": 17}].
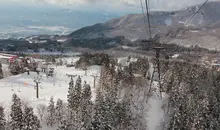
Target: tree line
[
  {"x": 79, "y": 113},
  {"x": 193, "y": 96},
  {"x": 192, "y": 91}
]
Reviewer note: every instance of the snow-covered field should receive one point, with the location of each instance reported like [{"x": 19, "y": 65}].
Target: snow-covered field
[{"x": 57, "y": 86}]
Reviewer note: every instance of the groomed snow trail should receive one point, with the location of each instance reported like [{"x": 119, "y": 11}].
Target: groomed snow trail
[
  {"x": 155, "y": 113},
  {"x": 56, "y": 86}
]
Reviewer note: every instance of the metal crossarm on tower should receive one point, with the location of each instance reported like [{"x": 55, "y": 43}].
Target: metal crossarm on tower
[{"x": 71, "y": 76}]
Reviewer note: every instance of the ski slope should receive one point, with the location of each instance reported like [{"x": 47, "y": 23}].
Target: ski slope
[{"x": 57, "y": 86}]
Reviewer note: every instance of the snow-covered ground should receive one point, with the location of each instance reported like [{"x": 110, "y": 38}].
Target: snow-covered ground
[
  {"x": 57, "y": 86},
  {"x": 156, "y": 113},
  {"x": 156, "y": 107},
  {"x": 23, "y": 85},
  {"x": 5, "y": 70}
]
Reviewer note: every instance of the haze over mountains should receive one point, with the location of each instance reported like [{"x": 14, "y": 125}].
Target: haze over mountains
[
  {"x": 203, "y": 29},
  {"x": 23, "y": 20}
]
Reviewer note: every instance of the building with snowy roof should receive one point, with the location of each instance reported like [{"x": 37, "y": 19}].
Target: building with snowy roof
[{"x": 7, "y": 58}]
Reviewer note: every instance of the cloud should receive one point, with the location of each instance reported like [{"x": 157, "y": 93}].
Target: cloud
[
  {"x": 120, "y": 4},
  {"x": 155, "y": 4},
  {"x": 173, "y": 4}
]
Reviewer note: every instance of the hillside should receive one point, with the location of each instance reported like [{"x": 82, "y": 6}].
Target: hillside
[{"x": 169, "y": 25}]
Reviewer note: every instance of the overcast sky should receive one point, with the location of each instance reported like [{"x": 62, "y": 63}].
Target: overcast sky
[{"x": 110, "y": 5}]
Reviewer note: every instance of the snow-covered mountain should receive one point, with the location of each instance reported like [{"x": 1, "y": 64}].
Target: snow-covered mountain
[{"x": 132, "y": 26}]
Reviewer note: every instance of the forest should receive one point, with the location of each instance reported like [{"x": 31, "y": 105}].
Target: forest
[{"x": 121, "y": 102}]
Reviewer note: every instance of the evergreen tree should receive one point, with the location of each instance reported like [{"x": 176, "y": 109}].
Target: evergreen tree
[
  {"x": 78, "y": 91},
  {"x": 70, "y": 94},
  {"x": 30, "y": 122},
  {"x": 74, "y": 105},
  {"x": 70, "y": 116},
  {"x": 105, "y": 107},
  {"x": 123, "y": 118},
  {"x": 110, "y": 95},
  {"x": 63, "y": 124},
  {"x": 16, "y": 114},
  {"x": 51, "y": 119},
  {"x": 59, "y": 110},
  {"x": 99, "y": 121},
  {"x": 86, "y": 106},
  {"x": 74, "y": 96},
  {"x": 2, "y": 119},
  {"x": 78, "y": 101},
  {"x": 202, "y": 119},
  {"x": 75, "y": 120},
  {"x": 179, "y": 111},
  {"x": 214, "y": 102}
]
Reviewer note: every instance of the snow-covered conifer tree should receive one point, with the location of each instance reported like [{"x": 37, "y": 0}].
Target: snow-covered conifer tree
[
  {"x": 63, "y": 124},
  {"x": 86, "y": 106},
  {"x": 74, "y": 96},
  {"x": 99, "y": 121},
  {"x": 123, "y": 118},
  {"x": 78, "y": 91},
  {"x": 110, "y": 95},
  {"x": 16, "y": 114},
  {"x": 51, "y": 118},
  {"x": 30, "y": 122},
  {"x": 74, "y": 105},
  {"x": 59, "y": 110},
  {"x": 214, "y": 103},
  {"x": 2, "y": 119},
  {"x": 70, "y": 94}
]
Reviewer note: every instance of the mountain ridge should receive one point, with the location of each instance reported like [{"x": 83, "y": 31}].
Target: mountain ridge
[{"x": 132, "y": 26}]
